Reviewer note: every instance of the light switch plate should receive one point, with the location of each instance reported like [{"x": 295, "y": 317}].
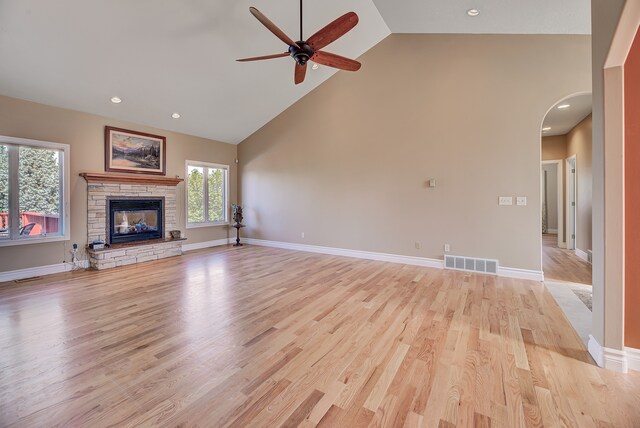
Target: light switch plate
[
  {"x": 505, "y": 200},
  {"x": 521, "y": 201}
]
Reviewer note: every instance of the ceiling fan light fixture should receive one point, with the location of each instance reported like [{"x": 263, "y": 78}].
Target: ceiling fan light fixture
[
  {"x": 473, "y": 12},
  {"x": 315, "y": 66},
  {"x": 310, "y": 49}
]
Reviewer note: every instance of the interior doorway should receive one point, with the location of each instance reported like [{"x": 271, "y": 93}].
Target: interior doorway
[
  {"x": 552, "y": 199},
  {"x": 565, "y": 208},
  {"x": 565, "y": 191}
]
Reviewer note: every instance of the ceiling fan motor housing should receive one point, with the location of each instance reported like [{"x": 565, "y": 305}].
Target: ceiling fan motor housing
[{"x": 302, "y": 53}]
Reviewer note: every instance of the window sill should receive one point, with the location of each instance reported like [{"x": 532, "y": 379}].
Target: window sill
[
  {"x": 26, "y": 241},
  {"x": 211, "y": 224}
]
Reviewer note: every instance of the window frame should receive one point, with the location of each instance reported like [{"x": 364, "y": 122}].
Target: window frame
[
  {"x": 225, "y": 199},
  {"x": 14, "y": 199}
]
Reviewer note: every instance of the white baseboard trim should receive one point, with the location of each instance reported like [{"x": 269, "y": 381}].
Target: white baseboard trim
[
  {"x": 12, "y": 275},
  {"x": 207, "y": 244},
  {"x": 358, "y": 254},
  {"x": 384, "y": 257},
  {"x": 609, "y": 358},
  {"x": 582, "y": 254},
  {"x": 533, "y": 275},
  {"x": 596, "y": 351},
  {"x": 633, "y": 358}
]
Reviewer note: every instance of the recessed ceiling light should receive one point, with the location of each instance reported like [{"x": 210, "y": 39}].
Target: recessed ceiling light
[
  {"x": 116, "y": 100},
  {"x": 176, "y": 115},
  {"x": 473, "y": 12},
  {"x": 546, "y": 128},
  {"x": 564, "y": 106},
  {"x": 315, "y": 67}
]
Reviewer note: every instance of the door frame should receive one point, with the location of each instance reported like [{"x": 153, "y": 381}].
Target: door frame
[
  {"x": 559, "y": 163},
  {"x": 572, "y": 201}
]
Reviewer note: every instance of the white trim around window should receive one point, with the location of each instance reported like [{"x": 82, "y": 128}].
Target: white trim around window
[
  {"x": 13, "y": 237},
  {"x": 207, "y": 166}
]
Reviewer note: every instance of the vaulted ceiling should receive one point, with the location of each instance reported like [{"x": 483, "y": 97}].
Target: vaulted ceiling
[{"x": 165, "y": 57}]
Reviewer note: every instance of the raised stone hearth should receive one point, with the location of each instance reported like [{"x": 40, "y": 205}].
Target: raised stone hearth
[
  {"x": 128, "y": 255},
  {"x": 102, "y": 187}
]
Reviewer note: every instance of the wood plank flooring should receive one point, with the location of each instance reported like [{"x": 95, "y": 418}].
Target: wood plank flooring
[
  {"x": 563, "y": 265},
  {"x": 266, "y": 337}
]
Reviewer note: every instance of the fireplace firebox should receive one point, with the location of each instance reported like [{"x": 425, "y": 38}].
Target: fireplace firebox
[{"x": 135, "y": 219}]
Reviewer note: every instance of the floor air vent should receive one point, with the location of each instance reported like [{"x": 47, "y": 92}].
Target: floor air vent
[{"x": 471, "y": 264}]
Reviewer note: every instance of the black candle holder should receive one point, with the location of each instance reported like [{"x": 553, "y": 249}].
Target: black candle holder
[
  {"x": 238, "y": 226},
  {"x": 237, "y": 218}
]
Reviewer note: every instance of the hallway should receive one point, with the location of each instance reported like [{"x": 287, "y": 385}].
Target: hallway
[{"x": 563, "y": 265}]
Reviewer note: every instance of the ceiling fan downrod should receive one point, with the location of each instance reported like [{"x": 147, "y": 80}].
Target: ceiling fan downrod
[{"x": 301, "y": 52}]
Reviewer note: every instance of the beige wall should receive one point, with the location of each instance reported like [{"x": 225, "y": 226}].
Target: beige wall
[
  {"x": 85, "y": 134},
  {"x": 579, "y": 144},
  {"x": 554, "y": 148},
  {"x": 348, "y": 164}
]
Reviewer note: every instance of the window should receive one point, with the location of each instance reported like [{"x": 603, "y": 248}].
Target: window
[
  {"x": 34, "y": 193},
  {"x": 207, "y": 194}
]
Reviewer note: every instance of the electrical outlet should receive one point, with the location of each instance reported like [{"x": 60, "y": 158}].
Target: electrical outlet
[
  {"x": 521, "y": 201},
  {"x": 418, "y": 245},
  {"x": 302, "y": 235},
  {"x": 505, "y": 200},
  {"x": 447, "y": 248}
]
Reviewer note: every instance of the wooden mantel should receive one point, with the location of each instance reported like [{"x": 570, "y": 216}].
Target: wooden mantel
[{"x": 130, "y": 179}]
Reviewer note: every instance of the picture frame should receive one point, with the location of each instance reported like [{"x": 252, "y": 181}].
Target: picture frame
[{"x": 134, "y": 152}]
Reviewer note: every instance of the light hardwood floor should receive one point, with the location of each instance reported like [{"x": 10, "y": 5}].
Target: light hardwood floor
[
  {"x": 257, "y": 336},
  {"x": 563, "y": 265}
]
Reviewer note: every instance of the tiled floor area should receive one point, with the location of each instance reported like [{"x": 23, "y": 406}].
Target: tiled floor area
[{"x": 568, "y": 279}]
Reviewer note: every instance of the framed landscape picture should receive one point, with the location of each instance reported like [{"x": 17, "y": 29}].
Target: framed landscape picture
[{"x": 135, "y": 152}]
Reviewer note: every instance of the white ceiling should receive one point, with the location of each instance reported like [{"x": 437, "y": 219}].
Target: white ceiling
[
  {"x": 162, "y": 57},
  {"x": 562, "y": 121},
  {"x": 496, "y": 16}
]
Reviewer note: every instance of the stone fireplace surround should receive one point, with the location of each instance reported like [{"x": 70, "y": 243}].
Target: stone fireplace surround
[{"x": 100, "y": 187}]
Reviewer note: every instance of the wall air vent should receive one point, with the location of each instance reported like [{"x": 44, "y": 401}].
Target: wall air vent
[{"x": 471, "y": 264}]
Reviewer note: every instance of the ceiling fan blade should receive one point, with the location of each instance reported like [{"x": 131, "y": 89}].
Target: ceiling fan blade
[
  {"x": 300, "y": 72},
  {"x": 335, "y": 61},
  {"x": 272, "y": 27},
  {"x": 260, "y": 58},
  {"x": 333, "y": 31}
]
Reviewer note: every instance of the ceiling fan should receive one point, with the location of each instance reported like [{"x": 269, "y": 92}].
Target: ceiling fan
[{"x": 303, "y": 51}]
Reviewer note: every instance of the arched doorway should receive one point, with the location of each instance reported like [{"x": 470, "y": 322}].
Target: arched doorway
[{"x": 566, "y": 207}]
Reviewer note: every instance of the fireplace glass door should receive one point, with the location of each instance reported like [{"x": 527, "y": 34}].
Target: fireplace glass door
[{"x": 135, "y": 220}]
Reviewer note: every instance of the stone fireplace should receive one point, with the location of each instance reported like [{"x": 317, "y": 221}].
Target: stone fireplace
[{"x": 133, "y": 215}]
